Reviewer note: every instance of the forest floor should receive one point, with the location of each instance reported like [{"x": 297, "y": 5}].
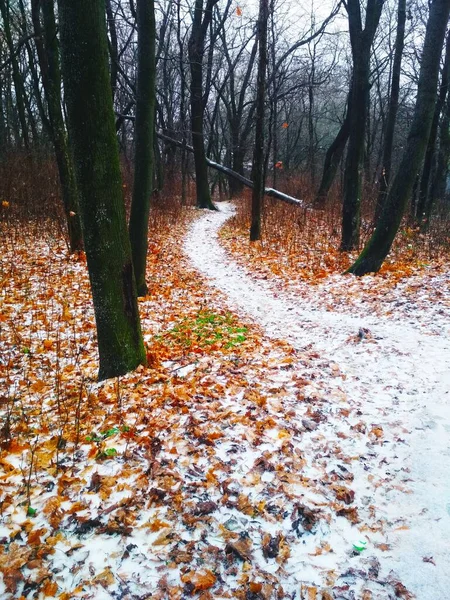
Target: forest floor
[{"x": 279, "y": 426}]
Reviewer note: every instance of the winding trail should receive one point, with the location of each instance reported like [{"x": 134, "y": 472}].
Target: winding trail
[{"x": 400, "y": 379}]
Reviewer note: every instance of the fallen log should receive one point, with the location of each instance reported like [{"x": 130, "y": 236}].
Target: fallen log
[
  {"x": 247, "y": 182},
  {"x": 218, "y": 167}
]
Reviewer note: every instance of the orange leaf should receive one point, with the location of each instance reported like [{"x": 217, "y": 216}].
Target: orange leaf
[
  {"x": 50, "y": 588},
  {"x": 201, "y": 580}
]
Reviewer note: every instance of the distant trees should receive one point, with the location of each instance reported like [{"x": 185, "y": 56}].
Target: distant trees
[
  {"x": 47, "y": 46},
  {"x": 376, "y": 250},
  {"x": 386, "y": 164},
  {"x": 319, "y": 96},
  {"x": 93, "y": 137}
]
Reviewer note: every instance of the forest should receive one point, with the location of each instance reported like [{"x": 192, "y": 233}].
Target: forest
[{"x": 224, "y": 299}]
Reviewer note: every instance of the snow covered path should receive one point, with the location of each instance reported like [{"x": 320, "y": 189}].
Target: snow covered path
[{"x": 398, "y": 378}]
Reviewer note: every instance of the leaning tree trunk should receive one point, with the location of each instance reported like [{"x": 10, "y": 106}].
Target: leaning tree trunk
[
  {"x": 196, "y": 47},
  {"x": 361, "y": 42},
  {"x": 144, "y": 140},
  {"x": 333, "y": 158},
  {"x": 393, "y": 108},
  {"x": 258, "y": 171},
  {"x": 96, "y": 154},
  {"x": 379, "y": 245},
  {"x": 48, "y": 56}
]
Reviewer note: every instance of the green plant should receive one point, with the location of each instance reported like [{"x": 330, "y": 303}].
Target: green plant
[
  {"x": 108, "y": 453},
  {"x": 206, "y": 329}
]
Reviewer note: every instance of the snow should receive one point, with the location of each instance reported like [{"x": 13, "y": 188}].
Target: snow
[
  {"x": 259, "y": 433},
  {"x": 398, "y": 379}
]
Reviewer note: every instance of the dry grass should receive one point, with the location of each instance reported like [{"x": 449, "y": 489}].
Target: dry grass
[{"x": 306, "y": 242}]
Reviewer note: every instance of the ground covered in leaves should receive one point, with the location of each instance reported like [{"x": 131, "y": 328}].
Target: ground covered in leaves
[{"x": 225, "y": 469}]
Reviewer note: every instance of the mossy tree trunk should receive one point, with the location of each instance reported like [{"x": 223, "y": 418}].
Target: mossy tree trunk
[
  {"x": 379, "y": 245},
  {"x": 144, "y": 140},
  {"x": 361, "y": 43},
  {"x": 196, "y": 48},
  {"x": 95, "y": 150},
  {"x": 258, "y": 169},
  {"x": 48, "y": 55}
]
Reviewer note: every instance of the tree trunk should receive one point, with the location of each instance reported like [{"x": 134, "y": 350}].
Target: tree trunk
[
  {"x": 196, "y": 47},
  {"x": 393, "y": 107},
  {"x": 48, "y": 56},
  {"x": 96, "y": 154},
  {"x": 17, "y": 78},
  {"x": 422, "y": 206},
  {"x": 237, "y": 163},
  {"x": 144, "y": 140},
  {"x": 258, "y": 171},
  {"x": 361, "y": 42},
  {"x": 113, "y": 47},
  {"x": 333, "y": 158},
  {"x": 379, "y": 245},
  {"x": 439, "y": 184}
]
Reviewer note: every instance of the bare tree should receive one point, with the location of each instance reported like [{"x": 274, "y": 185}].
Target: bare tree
[{"x": 379, "y": 245}]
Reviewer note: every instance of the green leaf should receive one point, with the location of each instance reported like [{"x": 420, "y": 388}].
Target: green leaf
[{"x": 111, "y": 432}]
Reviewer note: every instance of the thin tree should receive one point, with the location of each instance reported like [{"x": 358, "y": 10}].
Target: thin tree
[
  {"x": 393, "y": 108},
  {"x": 47, "y": 45},
  {"x": 93, "y": 137},
  {"x": 144, "y": 140},
  {"x": 333, "y": 158},
  {"x": 379, "y": 245},
  {"x": 423, "y": 208},
  {"x": 19, "y": 87},
  {"x": 196, "y": 48},
  {"x": 439, "y": 183},
  {"x": 258, "y": 171},
  {"x": 361, "y": 43}
]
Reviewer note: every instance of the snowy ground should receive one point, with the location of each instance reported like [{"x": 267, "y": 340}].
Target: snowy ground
[
  {"x": 394, "y": 373},
  {"x": 244, "y": 465}
]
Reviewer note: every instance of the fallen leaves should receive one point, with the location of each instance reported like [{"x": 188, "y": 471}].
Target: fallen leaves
[
  {"x": 241, "y": 548},
  {"x": 198, "y": 581},
  {"x": 344, "y": 494},
  {"x": 211, "y": 468}
]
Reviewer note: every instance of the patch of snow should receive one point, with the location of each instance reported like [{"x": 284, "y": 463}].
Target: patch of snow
[{"x": 398, "y": 381}]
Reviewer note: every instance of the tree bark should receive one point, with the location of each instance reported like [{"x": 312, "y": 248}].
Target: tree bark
[
  {"x": 144, "y": 139},
  {"x": 95, "y": 149},
  {"x": 379, "y": 245},
  {"x": 258, "y": 170}
]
